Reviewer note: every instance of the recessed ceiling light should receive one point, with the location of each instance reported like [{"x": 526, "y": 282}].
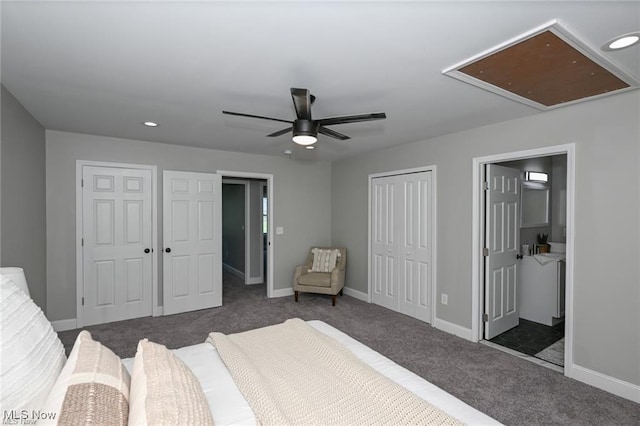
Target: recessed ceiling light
[
  {"x": 622, "y": 41},
  {"x": 150, "y": 124}
]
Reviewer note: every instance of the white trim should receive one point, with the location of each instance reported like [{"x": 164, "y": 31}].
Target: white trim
[
  {"x": 476, "y": 240},
  {"x": 357, "y": 294},
  {"x": 455, "y": 329},
  {"x": 254, "y": 280},
  {"x": 610, "y": 384},
  {"x": 271, "y": 243},
  {"x": 64, "y": 325},
  {"x": 282, "y": 292},
  {"x": 263, "y": 185},
  {"x": 233, "y": 271},
  {"x": 154, "y": 232},
  {"x": 247, "y": 224},
  {"x": 560, "y": 30},
  {"x": 434, "y": 230}
]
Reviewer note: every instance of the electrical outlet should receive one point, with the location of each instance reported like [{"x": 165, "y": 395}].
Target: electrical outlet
[{"x": 444, "y": 299}]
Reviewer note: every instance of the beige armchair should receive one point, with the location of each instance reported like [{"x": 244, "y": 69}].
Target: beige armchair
[{"x": 320, "y": 282}]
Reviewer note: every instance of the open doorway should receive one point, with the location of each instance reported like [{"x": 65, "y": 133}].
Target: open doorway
[
  {"x": 247, "y": 216},
  {"x": 523, "y": 254},
  {"x": 243, "y": 233}
]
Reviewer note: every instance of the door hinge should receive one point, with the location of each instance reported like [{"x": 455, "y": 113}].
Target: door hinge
[
  {"x": 485, "y": 251},
  {"x": 82, "y": 242},
  {"x": 82, "y": 183},
  {"x": 83, "y": 301},
  {"x": 485, "y": 317},
  {"x": 485, "y": 186}
]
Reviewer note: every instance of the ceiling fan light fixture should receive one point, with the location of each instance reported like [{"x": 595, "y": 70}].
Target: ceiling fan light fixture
[
  {"x": 305, "y": 140},
  {"x": 305, "y": 132}
]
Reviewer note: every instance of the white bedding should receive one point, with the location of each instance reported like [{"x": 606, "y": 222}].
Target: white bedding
[{"x": 229, "y": 407}]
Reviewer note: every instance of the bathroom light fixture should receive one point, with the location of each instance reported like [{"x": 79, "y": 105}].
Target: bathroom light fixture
[
  {"x": 536, "y": 176},
  {"x": 310, "y": 147},
  {"x": 622, "y": 41},
  {"x": 150, "y": 124}
]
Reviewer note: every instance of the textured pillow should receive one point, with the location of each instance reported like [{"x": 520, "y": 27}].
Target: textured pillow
[
  {"x": 324, "y": 260},
  {"x": 31, "y": 354},
  {"x": 93, "y": 386},
  {"x": 164, "y": 390}
]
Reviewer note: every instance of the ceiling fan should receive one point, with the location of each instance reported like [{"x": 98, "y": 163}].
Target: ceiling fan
[{"x": 304, "y": 128}]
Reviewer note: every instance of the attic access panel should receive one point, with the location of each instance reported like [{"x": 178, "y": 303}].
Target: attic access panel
[{"x": 545, "y": 68}]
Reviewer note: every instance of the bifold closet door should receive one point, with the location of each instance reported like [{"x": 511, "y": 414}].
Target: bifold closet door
[{"x": 401, "y": 243}]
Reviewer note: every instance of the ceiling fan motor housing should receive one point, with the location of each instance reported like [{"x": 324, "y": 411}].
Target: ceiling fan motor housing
[{"x": 305, "y": 127}]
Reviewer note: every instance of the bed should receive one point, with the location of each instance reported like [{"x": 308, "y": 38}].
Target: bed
[{"x": 44, "y": 395}]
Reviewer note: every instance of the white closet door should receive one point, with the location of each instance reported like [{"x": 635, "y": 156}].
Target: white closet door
[
  {"x": 116, "y": 253},
  {"x": 415, "y": 286},
  {"x": 383, "y": 245},
  {"x": 192, "y": 233},
  {"x": 402, "y": 239},
  {"x": 502, "y": 239}
]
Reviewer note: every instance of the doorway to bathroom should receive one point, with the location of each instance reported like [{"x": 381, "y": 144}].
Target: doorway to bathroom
[{"x": 524, "y": 240}]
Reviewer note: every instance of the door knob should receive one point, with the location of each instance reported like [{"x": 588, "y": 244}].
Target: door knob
[
  {"x": 518, "y": 256},
  {"x": 168, "y": 250},
  {"x": 147, "y": 250}
]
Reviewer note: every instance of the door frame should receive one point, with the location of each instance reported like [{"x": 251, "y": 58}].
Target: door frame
[
  {"x": 156, "y": 311},
  {"x": 434, "y": 230},
  {"x": 477, "y": 230},
  {"x": 270, "y": 241},
  {"x": 247, "y": 224}
]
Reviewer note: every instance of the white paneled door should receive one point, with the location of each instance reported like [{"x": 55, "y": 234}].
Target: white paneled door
[
  {"x": 192, "y": 241},
  {"x": 501, "y": 242},
  {"x": 402, "y": 239},
  {"x": 116, "y": 244}
]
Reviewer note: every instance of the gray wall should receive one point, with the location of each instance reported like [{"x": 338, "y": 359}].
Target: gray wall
[
  {"x": 304, "y": 214},
  {"x": 233, "y": 219},
  {"x": 558, "y": 198},
  {"x": 23, "y": 214},
  {"x": 607, "y": 293},
  {"x": 255, "y": 221}
]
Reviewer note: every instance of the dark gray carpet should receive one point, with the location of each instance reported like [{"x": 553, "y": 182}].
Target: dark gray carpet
[{"x": 512, "y": 390}]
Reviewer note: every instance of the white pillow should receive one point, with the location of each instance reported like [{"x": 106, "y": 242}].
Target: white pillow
[
  {"x": 324, "y": 260},
  {"x": 164, "y": 390},
  {"x": 17, "y": 276},
  {"x": 31, "y": 354}
]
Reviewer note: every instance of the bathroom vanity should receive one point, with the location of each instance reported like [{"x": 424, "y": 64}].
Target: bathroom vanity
[{"x": 542, "y": 284}]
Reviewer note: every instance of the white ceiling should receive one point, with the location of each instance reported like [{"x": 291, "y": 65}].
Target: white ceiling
[{"x": 104, "y": 67}]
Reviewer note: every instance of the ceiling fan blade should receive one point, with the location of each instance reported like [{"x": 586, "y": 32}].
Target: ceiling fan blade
[
  {"x": 332, "y": 133},
  {"x": 302, "y": 103},
  {"x": 279, "y": 132},
  {"x": 351, "y": 118},
  {"x": 240, "y": 114}
]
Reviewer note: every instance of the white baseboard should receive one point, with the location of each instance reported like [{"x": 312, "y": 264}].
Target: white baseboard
[
  {"x": 610, "y": 384},
  {"x": 64, "y": 325},
  {"x": 282, "y": 292},
  {"x": 360, "y": 295},
  {"x": 452, "y": 328},
  {"x": 254, "y": 280},
  {"x": 233, "y": 270}
]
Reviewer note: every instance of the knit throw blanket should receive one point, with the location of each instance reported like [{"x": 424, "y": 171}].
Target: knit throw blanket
[{"x": 292, "y": 374}]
